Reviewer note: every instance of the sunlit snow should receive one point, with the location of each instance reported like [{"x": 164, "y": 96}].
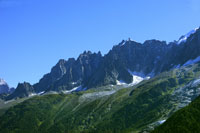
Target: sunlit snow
[
  {"x": 192, "y": 61},
  {"x": 2, "y": 82},
  {"x": 78, "y": 88},
  {"x": 32, "y": 94},
  {"x": 138, "y": 77},
  {"x": 40, "y": 93},
  {"x": 185, "y": 37},
  {"x": 161, "y": 122},
  {"x": 121, "y": 82}
]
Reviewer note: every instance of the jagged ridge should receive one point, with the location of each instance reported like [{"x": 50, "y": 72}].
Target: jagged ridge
[{"x": 94, "y": 70}]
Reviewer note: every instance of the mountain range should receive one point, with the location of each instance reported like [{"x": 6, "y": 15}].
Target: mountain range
[
  {"x": 123, "y": 62},
  {"x": 135, "y": 87}
]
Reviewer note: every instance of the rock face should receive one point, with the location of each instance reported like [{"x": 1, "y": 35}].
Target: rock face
[
  {"x": 23, "y": 90},
  {"x": 145, "y": 59},
  {"x": 69, "y": 74},
  {"x": 148, "y": 59},
  {"x": 92, "y": 70},
  {"x": 4, "y": 87}
]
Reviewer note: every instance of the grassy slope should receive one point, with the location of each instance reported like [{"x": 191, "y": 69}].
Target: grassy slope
[
  {"x": 29, "y": 115},
  {"x": 186, "y": 120},
  {"x": 130, "y": 109},
  {"x": 6, "y": 105}
]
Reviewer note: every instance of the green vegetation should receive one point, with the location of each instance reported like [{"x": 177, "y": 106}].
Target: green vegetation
[
  {"x": 100, "y": 110},
  {"x": 6, "y": 105},
  {"x": 29, "y": 115},
  {"x": 186, "y": 120}
]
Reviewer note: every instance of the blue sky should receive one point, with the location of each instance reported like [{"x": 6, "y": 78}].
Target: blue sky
[{"x": 35, "y": 34}]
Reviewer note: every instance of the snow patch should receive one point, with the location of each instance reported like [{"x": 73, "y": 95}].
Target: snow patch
[
  {"x": 185, "y": 37},
  {"x": 120, "y": 82},
  {"x": 192, "y": 61},
  {"x": 138, "y": 77},
  {"x": 78, "y": 88},
  {"x": 2, "y": 82},
  {"x": 73, "y": 83},
  {"x": 40, "y": 93},
  {"x": 161, "y": 122},
  {"x": 189, "y": 62},
  {"x": 123, "y": 43},
  {"x": 36, "y": 94},
  {"x": 32, "y": 94},
  {"x": 74, "y": 89}
]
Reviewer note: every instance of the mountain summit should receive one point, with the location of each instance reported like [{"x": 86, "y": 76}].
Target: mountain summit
[{"x": 4, "y": 88}]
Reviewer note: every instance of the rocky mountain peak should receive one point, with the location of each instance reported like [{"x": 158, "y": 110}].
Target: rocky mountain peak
[
  {"x": 2, "y": 82},
  {"x": 22, "y": 90},
  {"x": 85, "y": 54},
  {"x": 24, "y": 85},
  {"x": 154, "y": 42},
  {"x": 92, "y": 69},
  {"x": 62, "y": 61},
  {"x": 4, "y": 87}
]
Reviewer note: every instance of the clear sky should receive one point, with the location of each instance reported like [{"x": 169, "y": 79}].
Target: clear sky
[{"x": 35, "y": 34}]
